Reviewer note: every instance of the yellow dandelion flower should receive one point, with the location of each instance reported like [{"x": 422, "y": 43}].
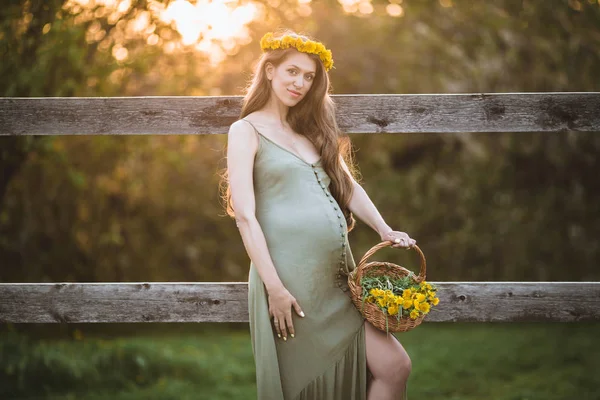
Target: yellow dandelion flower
[
  {"x": 435, "y": 301},
  {"x": 327, "y": 59},
  {"x": 421, "y": 297},
  {"x": 287, "y": 41},
  {"x": 310, "y": 47},
  {"x": 266, "y": 40},
  {"x": 414, "y": 314},
  {"x": 407, "y": 304},
  {"x": 399, "y": 300},
  {"x": 424, "y": 307},
  {"x": 393, "y": 310},
  {"x": 381, "y": 301},
  {"x": 407, "y": 294}
]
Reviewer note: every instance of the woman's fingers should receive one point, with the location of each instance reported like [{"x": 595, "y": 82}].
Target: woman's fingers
[
  {"x": 277, "y": 328},
  {"x": 281, "y": 311},
  {"x": 283, "y": 328},
  {"x": 290, "y": 324},
  {"x": 401, "y": 240},
  {"x": 297, "y": 308}
]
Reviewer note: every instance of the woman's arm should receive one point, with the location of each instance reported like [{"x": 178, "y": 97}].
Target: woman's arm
[
  {"x": 242, "y": 144},
  {"x": 363, "y": 208}
]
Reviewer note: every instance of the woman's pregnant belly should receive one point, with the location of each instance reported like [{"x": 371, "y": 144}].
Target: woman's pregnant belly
[{"x": 305, "y": 245}]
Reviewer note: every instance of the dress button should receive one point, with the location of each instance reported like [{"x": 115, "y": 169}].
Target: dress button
[
  {"x": 335, "y": 208},
  {"x": 341, "y": 225},
  {"x": 339, "y": 216},
  {"x": 340, "y": 284},
  {"x": 345, "y": 289},
  {"x": 327, "y": 194},
  {"x": 330, "y": 200},
  {"x": 339, "y": 275},
  {"x": 343, "y": 244}
]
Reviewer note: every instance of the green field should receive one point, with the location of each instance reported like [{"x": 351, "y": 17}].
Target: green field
[{"x": 459, "y": 361}]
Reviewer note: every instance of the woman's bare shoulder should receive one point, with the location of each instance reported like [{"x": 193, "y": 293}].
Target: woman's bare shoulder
[{"x": 242, "y": 134}]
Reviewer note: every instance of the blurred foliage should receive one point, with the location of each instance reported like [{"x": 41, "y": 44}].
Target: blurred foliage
[
  {"x": 541, "y": 361},
  {"x": 146, "y": 208}
]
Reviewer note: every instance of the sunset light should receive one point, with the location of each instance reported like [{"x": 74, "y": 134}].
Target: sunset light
[
  {"x": 208, "y": 21},
  {"x": 214, "y": 27}
]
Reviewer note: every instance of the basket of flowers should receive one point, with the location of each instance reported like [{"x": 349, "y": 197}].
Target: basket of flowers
[{"x": 389, "y": 296}]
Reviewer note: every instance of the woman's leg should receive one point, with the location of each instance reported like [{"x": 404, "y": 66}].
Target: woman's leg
[{"x": 389, "y": 364}]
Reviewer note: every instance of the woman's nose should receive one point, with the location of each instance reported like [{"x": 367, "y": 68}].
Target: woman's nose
[{"x": 299, "y": 82}]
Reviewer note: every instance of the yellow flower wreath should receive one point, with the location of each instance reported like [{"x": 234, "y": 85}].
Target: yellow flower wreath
[{"x": 269, "y": 42}]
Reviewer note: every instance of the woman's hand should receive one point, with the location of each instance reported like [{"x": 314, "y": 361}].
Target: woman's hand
[
  {"x": 400, "y": 239},
  {"x": 280, "y": 309}
]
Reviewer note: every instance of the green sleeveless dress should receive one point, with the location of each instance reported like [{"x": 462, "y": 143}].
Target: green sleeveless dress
[{"x": 306, "y": 235}]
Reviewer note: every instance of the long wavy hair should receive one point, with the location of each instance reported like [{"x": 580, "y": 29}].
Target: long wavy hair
[{"x": 313, "y": 117}]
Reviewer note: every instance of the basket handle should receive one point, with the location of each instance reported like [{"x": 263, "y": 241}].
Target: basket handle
[{"x": 379, "y": 246}]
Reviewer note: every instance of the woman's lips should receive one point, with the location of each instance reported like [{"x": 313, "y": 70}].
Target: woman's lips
[{"x": 294, "y": 93}]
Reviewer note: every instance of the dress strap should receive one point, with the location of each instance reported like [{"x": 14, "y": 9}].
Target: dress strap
[{"x": 255, "y": 130}]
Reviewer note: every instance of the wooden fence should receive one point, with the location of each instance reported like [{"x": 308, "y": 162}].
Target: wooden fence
[{"x": 227, "y": 302}]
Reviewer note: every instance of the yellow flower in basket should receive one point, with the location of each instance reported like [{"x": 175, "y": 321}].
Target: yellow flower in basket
[
  {"x": 391, "y": 297},
  {"x": 424, "y": 308}
]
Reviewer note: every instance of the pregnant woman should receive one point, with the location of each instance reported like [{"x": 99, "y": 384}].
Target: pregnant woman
[{"x": 292, "y": 192}]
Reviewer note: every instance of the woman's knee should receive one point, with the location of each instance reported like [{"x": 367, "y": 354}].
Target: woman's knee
[
  {"x": 397, "y": 368},
  {"x": 388, "y": 361}
]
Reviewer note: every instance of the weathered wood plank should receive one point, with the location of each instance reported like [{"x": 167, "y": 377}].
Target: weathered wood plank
[
  {"x": 479, "y": 112},
  {"x": 227, "y": 302}
]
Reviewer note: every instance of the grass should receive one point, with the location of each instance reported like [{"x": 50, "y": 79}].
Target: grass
[{"x": 450, "y": 362}]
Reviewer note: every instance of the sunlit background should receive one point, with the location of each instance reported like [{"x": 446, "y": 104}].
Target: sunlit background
[
  {"x": 483, "y": 207},
  {"x": 217, "y": 28}
]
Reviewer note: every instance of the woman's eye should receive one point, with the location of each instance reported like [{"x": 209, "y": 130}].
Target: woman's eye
[
  {"x": 292, "y": 71},
  {"x": 309, "y": 77}
]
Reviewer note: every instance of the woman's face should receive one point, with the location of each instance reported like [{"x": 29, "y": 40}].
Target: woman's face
[{"x": 293, "y": 78}]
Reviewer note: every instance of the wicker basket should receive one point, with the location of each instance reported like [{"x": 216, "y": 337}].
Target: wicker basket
[{"x": 370, "y": 311}]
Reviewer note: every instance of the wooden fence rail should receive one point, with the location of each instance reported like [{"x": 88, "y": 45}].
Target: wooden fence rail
[
  {"x": 476, "y": 112},
  {"x": 227, "y": 302}
]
